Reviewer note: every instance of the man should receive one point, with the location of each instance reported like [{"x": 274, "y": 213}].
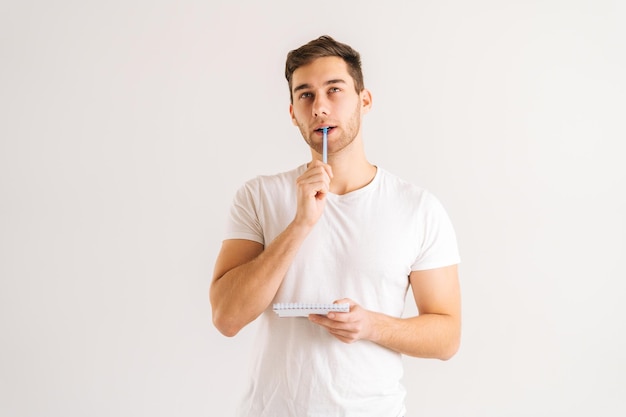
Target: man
[{"x": 345, "y": 231}]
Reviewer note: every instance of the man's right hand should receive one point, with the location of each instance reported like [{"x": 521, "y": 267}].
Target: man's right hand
[{"x": 313, "y": 185}]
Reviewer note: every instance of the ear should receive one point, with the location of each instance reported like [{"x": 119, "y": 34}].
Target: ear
[
  {"x": 293, "y": 117},
  {"x": 366, "y": 100}
]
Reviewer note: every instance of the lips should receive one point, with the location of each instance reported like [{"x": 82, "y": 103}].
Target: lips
[{"x": 321, "y": 129}]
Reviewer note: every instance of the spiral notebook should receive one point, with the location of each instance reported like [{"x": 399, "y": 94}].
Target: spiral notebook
[{"x": 304, "y": 309}]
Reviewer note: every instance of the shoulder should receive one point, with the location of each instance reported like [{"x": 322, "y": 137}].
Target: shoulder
[
  {"x": 403, "y": 189},
  {"x": 278, "y": 178},
  {"x": 411, "y": 199},
  {"x": 265, "y": 188}
]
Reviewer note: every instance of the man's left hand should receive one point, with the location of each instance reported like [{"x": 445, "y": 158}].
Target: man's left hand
[{"x": 347, "y": 327}]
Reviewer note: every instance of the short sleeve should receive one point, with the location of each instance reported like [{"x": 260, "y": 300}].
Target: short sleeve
[
  {"x": 439, "y": 244},
  {"x": 243, "y": 220}
]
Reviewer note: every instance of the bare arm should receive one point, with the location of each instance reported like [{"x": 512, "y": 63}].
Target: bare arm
[
  {"x": 247, "y": 275},
  {"x": 434, "y": 333},
  {"x": 246, "y": 278}
]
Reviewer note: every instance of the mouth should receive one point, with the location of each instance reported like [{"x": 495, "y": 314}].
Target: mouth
[{"x": 321, "y": 129}]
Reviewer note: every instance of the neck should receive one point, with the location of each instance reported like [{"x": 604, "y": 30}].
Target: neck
[
  {"x": 350, "y": 178},
  {"x": 351, "y": 169}
]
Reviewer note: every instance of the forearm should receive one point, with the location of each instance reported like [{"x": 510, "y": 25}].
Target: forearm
[
  {"x": 239, "y": 295},
  {"x": 247, "y": 275},
  {"x": 425, "y": 336},
  {"x": 435, "y": 333}
]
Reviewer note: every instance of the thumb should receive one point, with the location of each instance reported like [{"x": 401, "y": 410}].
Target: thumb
[{"x": 345, "y": 301}]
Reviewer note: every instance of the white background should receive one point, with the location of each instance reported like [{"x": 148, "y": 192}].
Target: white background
[{"x": 127, "y": 126}]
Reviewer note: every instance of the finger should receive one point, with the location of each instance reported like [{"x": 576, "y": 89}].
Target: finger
[
  {"x": 313, "y": 178},
  {"x": 311, "y": 187},
  {"x": 340, "y": 317},
  {"x": 343, "y": 336},
  {"x": 316, "y": 187},
  {"x": 328, "y": 322},
  {"x": 329, "y": 170},
  {"x": 343, "y": 316},
  {"x": 333, "y": 325},
  {"x": 323, "y": 321},
  {"x": 318, "y": 167},
  {"x": 308, "y": 174},
  {"x": 345, "y": 301}
]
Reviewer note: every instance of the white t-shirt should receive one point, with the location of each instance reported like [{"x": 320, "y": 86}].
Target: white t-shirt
[{"x": 364, "y": 247}]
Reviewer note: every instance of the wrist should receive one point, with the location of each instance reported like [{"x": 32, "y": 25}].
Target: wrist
[
  {"x": 299, "y": 228},
  {"x": 376, "y": 325}
]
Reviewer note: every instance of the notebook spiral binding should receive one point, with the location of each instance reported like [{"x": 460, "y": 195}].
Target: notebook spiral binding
[{"x": 304, "y": 309}]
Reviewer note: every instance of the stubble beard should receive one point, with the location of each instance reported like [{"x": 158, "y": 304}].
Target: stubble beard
[{"x": 347, "y": 137}]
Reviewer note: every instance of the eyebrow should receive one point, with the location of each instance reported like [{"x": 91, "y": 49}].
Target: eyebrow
[{"x": 306, "y": 86}]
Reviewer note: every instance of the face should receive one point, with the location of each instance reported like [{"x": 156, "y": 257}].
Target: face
[{"x": 324, "y": 96}]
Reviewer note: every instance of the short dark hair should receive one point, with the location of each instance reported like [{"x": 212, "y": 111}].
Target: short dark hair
[{"x": 324, "y": 46}]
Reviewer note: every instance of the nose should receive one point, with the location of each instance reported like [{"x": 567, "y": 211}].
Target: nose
[{"x": 320, "y": 106}]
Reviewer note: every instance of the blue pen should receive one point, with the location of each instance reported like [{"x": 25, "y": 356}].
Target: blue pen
[{"x": 325, "y": 146}]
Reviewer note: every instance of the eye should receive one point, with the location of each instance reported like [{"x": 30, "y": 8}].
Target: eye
[
  {"x": 334, "y": 90},
  {"x": 305, "y": 96}
]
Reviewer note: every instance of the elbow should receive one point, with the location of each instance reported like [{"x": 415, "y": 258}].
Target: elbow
[
  {"x": 450, "y": 350},
  {"x": 228, "y": 331},
  {"x": 451, "y": 342},
  {"x": 226, "y": 326},
  {"x": 448, "y": 354},
  {"x": 230, "y": 320},
  {"x": 223, "y": 321}
]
